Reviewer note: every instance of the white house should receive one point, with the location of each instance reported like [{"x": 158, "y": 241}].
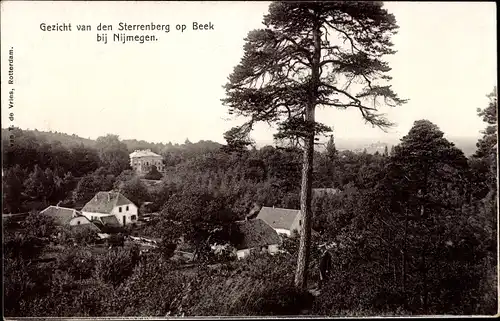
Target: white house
[
  {"x": 282, "y": 220},
  {"x": 105, "y": 204},
  {"x": 142, "y": 161},
  {"x": 255, "y": 235}
]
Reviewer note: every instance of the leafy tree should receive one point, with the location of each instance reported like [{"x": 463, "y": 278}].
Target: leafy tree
[
  {"x": 297, "y": 63},
  {"x": 331, "y": 150},
  {"x": 486, "y": 145},
  {"x": 135, "y": 190},
  {"x": 427, "y": 179},
  {"x": 85, "y": 160},
  {"x": 113, "y": 153},
  {"x": 153, "y": 174},
  {"x": 35, "y": 184},
  {"x": 12, "y": 187},
  {"x": 90, "y": 184},
  {"x": 201, "y": 218},
  {"x": 235, "y": 141},
  {"x": 39, "y": 225}
]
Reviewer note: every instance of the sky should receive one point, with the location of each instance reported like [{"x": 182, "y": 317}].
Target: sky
[{"x": 170, "y": 89}]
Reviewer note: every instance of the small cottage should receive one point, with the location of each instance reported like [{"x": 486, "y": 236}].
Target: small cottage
[
  {"x": 62, "y": 215},
  {"x": 282, "y": 220},
  {"x": 255, "y": 236},
  {"x": 111, "y": 204}
]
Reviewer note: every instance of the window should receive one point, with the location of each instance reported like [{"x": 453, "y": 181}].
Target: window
[
  {"x": 300, "y": 222},
  {"x": 133, "y": 217},
  {"x": 78, "y": 222},
  {"x": 120, "y": 209},
  {"x": 126, "y": 209}
]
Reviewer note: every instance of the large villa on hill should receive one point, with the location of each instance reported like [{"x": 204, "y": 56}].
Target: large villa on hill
[{"x": 143, "y": 160}]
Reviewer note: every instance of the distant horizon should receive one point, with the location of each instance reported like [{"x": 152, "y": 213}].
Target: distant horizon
[
  {"x": 341, "y": 142},
  {"x": 171, "y": 89}
]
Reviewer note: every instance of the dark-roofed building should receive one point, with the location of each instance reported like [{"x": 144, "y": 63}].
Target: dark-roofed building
[
  {"x": 83, "y": 223},
  {"x": 111, "y": 204},
  {"x": 110, "y": 221},
  {"x": 61, "y": 215},
  {"x": 282, "y": 220},
  {"x": 255, "y": 235}
]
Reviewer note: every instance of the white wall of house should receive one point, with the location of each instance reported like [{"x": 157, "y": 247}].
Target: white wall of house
[
  {"x": 94, "y": 216},
  {"x": 241, "y": 254},
  {"x": 273, "y": 249},
  {"x": 143, "y": 164},
  {"x": 283, "y": 231},
  {"x": 126, "y": 213}
]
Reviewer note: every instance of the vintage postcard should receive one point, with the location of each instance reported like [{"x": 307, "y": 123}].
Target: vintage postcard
[{"x": 249, "y": 159}]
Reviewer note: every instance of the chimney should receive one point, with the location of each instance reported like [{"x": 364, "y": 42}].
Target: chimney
[{"x": 108, "y": 197}]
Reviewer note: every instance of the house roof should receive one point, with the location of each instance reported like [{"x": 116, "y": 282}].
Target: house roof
[
  {"x": 61, "y": 215},
  {"x": 110, "y": 221},
  {"x": 104, "y": 202},
  {"x": 255, "y": 233},
  {"x": 87, "y": 226},
  {"x": 324, "y": 191},
  {"x": 143, "y": 153},
  {"x": 278, "y": 217}
]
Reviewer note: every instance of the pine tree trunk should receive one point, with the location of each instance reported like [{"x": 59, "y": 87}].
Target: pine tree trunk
[
  {"x": 307, "y": 169},
  {"x": 404, "y": 264},
  {"x": 306, "y": 212}
]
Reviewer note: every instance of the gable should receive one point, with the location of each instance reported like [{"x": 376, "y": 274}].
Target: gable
[
  {"x": 87, "y": 225},
  {"x": 255, "y": 233},
  {"x": 61, "y": 215},
  {"x": 104, "y": 202},
  {"x": 279, "y": 218}
]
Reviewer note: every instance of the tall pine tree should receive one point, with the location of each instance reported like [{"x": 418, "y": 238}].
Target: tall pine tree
[{"x": 313, "y": 54}]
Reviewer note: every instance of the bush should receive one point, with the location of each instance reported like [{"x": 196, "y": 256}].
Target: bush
[
  {"x": 286, "y": 300},
  {"x": 18, "y": 245},
  {"x": 153, "y": 174},
  {"x": 82, "y": 236},
  {"x": 116, "y": 265},
  {"x": 155, "y": 288},
  {"x": 77, "y": 262},
  {"x": 39, "y": 225}
]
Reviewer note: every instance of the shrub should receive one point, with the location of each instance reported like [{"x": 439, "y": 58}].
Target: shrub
[
  {"x": 153, "y": 174},
  {"x": 154, "y": 289},
  {"x": 285, "y": 300},
  {"x": 116, "y": 265},
  {"x": 77, "y": 262}
]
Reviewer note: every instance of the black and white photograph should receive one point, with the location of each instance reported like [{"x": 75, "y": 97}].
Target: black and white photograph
[{"x": 243, "y": 159}]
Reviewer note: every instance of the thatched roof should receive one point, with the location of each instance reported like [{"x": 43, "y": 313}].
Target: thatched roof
[
  {"x": 255, "y": 233},
  {"x": 104, "y": 202},
  {"x": 61, "y": 215},
  {"x": 278, "y": 218}
]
